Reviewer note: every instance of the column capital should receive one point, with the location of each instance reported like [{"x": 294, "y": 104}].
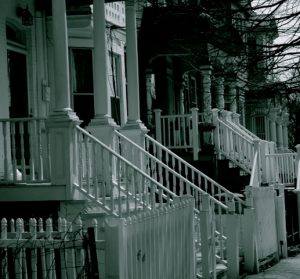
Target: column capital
[
  {"x": 206, "y": 69},
  {"x": 273, "y": 114}
]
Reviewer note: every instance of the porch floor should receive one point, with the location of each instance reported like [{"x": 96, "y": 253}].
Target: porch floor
[{"x": 32, "y": 192}]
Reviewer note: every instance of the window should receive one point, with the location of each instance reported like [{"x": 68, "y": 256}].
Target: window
[
  {"x": 115, "y": 82},
  {"x": 82, "y": 84}
]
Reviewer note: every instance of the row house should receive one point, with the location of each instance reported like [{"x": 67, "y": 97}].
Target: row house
[{"x": 130, "y": 115}]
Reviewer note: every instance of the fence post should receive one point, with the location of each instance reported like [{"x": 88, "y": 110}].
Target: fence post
[
  {"x": 281, "y": 222},
  {"x": 115, "y": 249},
  {"x": 207, "y": 228},
  {"x": 233, "y": 232},
  {"x": 195, "y": 130},
  {"x": 249, "y": 234},
  {"x": 157, "y": 113}
]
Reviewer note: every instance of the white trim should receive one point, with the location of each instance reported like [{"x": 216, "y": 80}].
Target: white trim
[{"x": 16, "y": 47}]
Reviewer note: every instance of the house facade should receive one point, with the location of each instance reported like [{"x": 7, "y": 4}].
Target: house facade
[{"x": 84, "y": 86}]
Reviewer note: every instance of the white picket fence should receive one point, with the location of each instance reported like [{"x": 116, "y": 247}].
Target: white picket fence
[
  {"x": 152, "y": 244},
  {"x": 36, "y": 250},
  {"x": 24, "y": 145}
]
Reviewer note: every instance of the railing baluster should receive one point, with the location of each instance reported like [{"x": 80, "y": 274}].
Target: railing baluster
[
  {"x": 23, "y": 163},
  {"x": 40, "y": 151},
  {"x": 13, "y": 148},
  {"x": 5, "y": 149},
  {"x": 31, "y": 125}
]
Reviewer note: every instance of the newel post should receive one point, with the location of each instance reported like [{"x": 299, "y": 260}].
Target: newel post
[
  {"x": 157, "y": 113},
  {"x": 255, "y": 175},
  {"x": 195, "y": 131}
]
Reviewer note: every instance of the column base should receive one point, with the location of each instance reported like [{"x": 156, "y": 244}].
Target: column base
[
  {"x": 62, "y": 117},
  {"x": 135, "y": 130},
  {"x": 61, "y": 125},
  {"x": 102, "y": 128}
]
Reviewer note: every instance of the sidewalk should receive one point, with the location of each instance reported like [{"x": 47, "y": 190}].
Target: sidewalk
[{"x": 286, "y": 269}]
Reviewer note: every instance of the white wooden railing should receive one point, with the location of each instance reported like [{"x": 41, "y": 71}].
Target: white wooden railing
[
  {"x": 179, "y": 131},
  {"x": 282, "y": 168},
  {"x": 259, "y": 158},
  {"x": 42, "y": 252},
  {"x": 235, "y": 145},
  {"x": 166, "y": 167},
  {"x": 24, "y": 145},
  {"x": 111, "y": 181}
]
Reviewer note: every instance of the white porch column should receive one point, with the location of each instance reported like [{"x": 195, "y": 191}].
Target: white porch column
[
  {"x": 61, "y": 61},
  {"x": 206, "y": 83},
  {"x": 219, "y": 91},
  {"x": 132, "y": 64},
  {"x": 285, "y": 132},
  {"x": 62, "y": 121},
  {"x": 134, "y": 128},
  {"x": 42, "y": 83},
  {"x": 232, "y": 98},
  {"x": 272, "y": 117},
  {"x": 101, "y": 98},
  {"x": 279, "y": 133},
  {"x": 102, "y": 125}
]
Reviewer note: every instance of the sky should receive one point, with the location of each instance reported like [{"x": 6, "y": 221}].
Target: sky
[{"x": 287, "y": 13}]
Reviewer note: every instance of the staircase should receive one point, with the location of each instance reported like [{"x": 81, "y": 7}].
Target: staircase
[
  {"x": 235, "y": 143},
  {"x": 129, "y": 179},
  {"x": 182, "y": 178}
]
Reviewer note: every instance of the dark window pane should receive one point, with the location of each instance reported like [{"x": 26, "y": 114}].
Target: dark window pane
[
  {"x": 83, "y": 71},
  {"x": 84, "y": 107}
]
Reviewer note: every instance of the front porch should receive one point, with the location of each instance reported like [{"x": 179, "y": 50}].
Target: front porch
[{"x": 220, "y": 133}]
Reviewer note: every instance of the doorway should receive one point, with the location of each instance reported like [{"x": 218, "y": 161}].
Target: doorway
[
  {"x": 17, "y": 74},
  {"x": 18, "y": 107}
]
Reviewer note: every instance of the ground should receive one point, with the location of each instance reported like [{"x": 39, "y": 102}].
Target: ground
[{"x": 286, "y": 269}]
